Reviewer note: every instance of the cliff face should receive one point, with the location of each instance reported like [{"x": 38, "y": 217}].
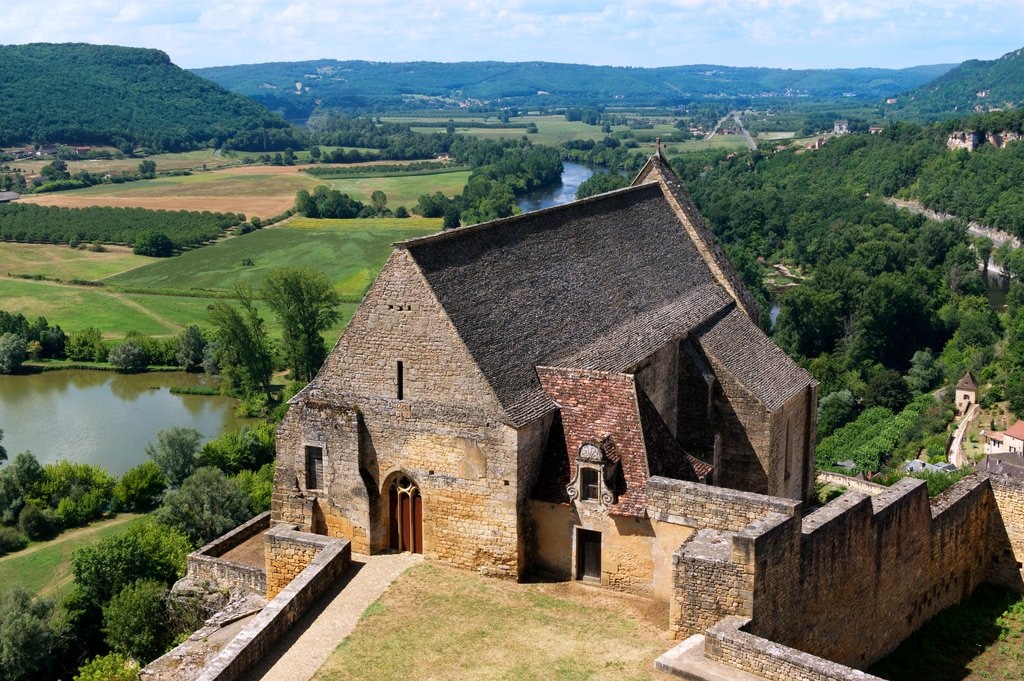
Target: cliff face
[{"x": 970, "y": 140}]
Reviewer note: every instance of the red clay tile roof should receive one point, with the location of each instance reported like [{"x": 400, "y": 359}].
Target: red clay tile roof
[{"x": 1016, "y": 430}]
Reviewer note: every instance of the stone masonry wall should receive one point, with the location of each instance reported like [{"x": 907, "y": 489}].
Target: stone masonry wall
[
  {"x": 715, "y": 585},
  {"x": 445, "y": 432},
  {"x": 888, "y": 563},
  {"x": 207, "y": 564},
  {"x": 743, "y": 460},
  {"x": 1006, "y": 539},
  {"x": 288, "y": 553},
  {"x": 727, "y": 642},
  {"x": 699, "y": 506}
]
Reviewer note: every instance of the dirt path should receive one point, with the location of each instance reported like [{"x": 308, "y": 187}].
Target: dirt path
[
  {"x": 74, "y": 534},
  {"x": 307, "y": 645}
]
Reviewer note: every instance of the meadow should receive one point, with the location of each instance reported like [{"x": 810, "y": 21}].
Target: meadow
[
  {"x": 186, "y": 160},
  {"x": 44, "y": 568}
]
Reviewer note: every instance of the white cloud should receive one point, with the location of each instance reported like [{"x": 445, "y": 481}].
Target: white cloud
[{"x": 796, "y": 33}]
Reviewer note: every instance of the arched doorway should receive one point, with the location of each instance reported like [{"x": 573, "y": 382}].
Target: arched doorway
[{"x": 405, "y": 516}]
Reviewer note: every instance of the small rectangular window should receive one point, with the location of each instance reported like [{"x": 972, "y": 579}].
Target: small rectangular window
[
  {"x": 314, "y": 467},
  {"x": 401, "y": 380},
  {"x": 589, "y": 484}
]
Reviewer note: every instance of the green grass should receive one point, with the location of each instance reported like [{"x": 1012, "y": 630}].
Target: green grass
[
  {"x": 75, "y": 308},
  {"x": 494, "y": 629},
  {"x": 219, "y": 184},
  {"x": 61, "y": 262},
  {"x": 340, "y": 249},
  {"x": 44, "y": 568},
  {"x": 981, "y": 638},
  {"x": 401, "y": 190}
]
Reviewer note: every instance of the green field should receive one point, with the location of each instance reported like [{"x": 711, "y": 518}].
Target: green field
[
  {"x": 349, "y": 252},
  {"x": 185, "y": 160},
  {"x": 233, "y": 182},
  {"x": 61, "y": 262},
  {"x": 400, "y": 190},
  {"x": 44, "y": 567}
]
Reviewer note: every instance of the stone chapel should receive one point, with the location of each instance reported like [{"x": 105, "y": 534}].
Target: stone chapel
[{"x": 511, "y": 396}]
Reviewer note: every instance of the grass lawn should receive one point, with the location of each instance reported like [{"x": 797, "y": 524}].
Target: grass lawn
[
  {"x": 442, "y": 623},
  {"x": 61, "y": 262},
  {"x": 400, "y": 190},
  {"x": 44, "y": 568},
  {"x": 982, "y": 638}
]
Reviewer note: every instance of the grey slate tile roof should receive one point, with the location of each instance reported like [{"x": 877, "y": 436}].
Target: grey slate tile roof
[
  {"x": 758, "y": 363},
  {"x": 527, "y": 290}
]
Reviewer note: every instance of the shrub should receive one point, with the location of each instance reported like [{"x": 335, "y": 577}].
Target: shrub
[
  {"x": 11, "y": 540},
  {"x": 207, "y": 505},
  {"x": 35, "y": 523},
  {"x": 111, "y": 667}
]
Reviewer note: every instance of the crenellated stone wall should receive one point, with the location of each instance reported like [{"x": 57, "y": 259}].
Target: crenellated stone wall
[{"x": 888, "y": 562}]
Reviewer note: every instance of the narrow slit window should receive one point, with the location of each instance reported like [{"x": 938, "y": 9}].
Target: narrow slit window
[
  {"x": 314, "y": 467},
  {"x": 401, "y": 380}
]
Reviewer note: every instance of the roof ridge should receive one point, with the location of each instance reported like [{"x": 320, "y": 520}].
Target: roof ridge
[{"x": 501, "y": 222}]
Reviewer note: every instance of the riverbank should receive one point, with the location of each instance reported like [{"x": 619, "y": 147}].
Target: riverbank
[{"x": 997, "y": 236}]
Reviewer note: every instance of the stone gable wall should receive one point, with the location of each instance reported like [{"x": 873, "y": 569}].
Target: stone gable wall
[{"x": 447, "y": 434}]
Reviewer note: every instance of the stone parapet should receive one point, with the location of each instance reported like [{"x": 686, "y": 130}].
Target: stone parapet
[
  {"x": 333, "y": 558},
  {"x": 288, "y": 553},
  {"x": 207, "y": 564},
  {"x": 698, "y": 505},
  {"x": 727, "y": 642}
]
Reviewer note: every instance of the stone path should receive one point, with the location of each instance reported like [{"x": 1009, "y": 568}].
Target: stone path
[{"x": 301, "y": 652}]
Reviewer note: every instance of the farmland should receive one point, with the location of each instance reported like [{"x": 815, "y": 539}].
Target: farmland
[
  {"x": 160, "y": 296},
  {"x": 263, "y": 191}
]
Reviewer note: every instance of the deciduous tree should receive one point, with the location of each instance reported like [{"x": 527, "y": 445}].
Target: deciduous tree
[{"x": 306, "y": 305}]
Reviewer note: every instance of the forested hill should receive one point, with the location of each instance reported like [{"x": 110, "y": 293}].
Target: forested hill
[
  {"x": 294, "y": 87},
  {"x": 995, "y": 84},
  {"x": 101, "y": 94}
]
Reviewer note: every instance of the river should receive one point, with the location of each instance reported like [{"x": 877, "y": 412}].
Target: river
[
  {"x": 101, "y": 417},
  {"x": 573, "y": 175}
]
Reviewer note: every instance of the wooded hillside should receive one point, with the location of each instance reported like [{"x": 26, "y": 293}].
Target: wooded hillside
[{"x": 123, "y": 96}]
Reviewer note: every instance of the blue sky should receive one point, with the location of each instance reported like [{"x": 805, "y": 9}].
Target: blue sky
[{"x": 777, "y": 33}]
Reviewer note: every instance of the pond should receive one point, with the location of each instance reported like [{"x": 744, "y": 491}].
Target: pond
[
  {"x": 101, "y": 417},
  {"x": 573, "y": 175}
]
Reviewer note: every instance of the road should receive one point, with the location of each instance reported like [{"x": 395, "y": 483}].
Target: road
[{"x": 735, "y": 115}]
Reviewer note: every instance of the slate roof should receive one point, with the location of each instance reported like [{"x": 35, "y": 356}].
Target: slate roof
[
  {"x": 528, "y": 290},
  {"x": 967, "y": 382},
  {"x": 758, "y": 363}
]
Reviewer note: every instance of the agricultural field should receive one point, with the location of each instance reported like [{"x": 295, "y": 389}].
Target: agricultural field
[
  {"x": 551, "y": 130},
  {"x": 160, "y": 296},
  {"x": 186, "y": 160},
  {"x": 263, "y": 191},
  {"x": 492, "y": 629},
  {"x": 44, "y": 568},
  {"x": 61, "y": 262}
]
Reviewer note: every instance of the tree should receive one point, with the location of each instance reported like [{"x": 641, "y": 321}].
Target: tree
[
  {"x": 135, "y": 621},
  {"x": 984, "y": 246},
  {"x": 190, "y": 345},
  {"x": 87, "y": 346},
  {"x": 128, "y": 356},
  {"x": 3, "y": 452},
  {"x": 154, "y": 244},
  {"x": 148, "y": 550},
  {"x": 237, "y": 450},
  {"x": 835, "y": 410},
  {"x": 148, "y": 168},
  {"x": 452, "y": 217},
  {"x": 887, "y": 389},
  {"x": 245, "y": 352},
  {"x": 35, "y": 523},
  {"x": 924, "y": 371},
  {"x": 207, "y": 505},
  {"x": 379, "y": 200},
  {"x": 140, "y": 487},
  {"x": 174, "y": 451},
  {"x": 25, "y": 636},
  {"x": 13, "y": 350},
  {"x": 306, "y": 305}
]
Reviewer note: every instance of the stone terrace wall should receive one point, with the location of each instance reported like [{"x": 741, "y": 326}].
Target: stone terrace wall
[
  {"x": 277, "y": 618},
  {"x": 703, "y": 506},
  {"x": 206, "y": 563},
  {"x": 888, "y": 563},
  {"x": 1007, "y": 533},
  {"x": 289, "y": 552},
  {"x": 727, "y": 642}
]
